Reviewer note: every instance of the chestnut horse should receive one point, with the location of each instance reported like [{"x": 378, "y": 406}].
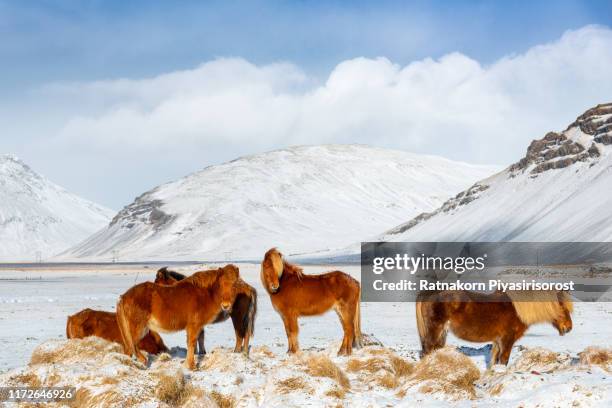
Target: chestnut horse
[
  {"x": 90, "y": 322},
  {"x": 243, "y": 311},
  {"x": 499, "y": 317},
  {"x": 187, "y": 305},
  {"x": 296, "y": 294}
]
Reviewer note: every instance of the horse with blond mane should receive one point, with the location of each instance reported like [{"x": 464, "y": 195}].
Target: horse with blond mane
[
  {"x": 187, "y": 305},
  {"x": 295, "y": 294},
  {"x": 243, "y": 313},
  {"x": 499, "y": 317},
  {"x": 89, "y": 322}
]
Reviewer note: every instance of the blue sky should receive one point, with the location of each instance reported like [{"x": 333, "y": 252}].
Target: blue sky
[
  {"x": 118, "y": 87},
  {"x": 69, "y": 40}
]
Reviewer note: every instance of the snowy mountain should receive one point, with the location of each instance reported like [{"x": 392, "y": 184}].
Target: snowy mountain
[
  {"x": 560, "y": 191},
  {"x": 38, "y": 218},
  {"x": 302, "y": 199}
]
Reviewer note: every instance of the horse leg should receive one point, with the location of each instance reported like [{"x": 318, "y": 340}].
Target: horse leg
[
  {"x": 245, "y": 343},
  {"x": 505, "y": 349},
  {"x": 138, "y": 332},
  {"x": 201, "y": 349},
  {"x": 347, "y": 318},
  {"x": 292, "y": 329},
  {"x": 494, "y": 358},
  {"x": 237, "y": 322},
  {"x": 192, "y": 337}
]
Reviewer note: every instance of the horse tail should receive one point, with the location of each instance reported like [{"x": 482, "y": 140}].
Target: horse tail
[
  {"x": 252, "y": 313},
  {"x": 357, "y": 322},
  {"x": 421, "y": 326},
  {"x": 124, "y": 329}
]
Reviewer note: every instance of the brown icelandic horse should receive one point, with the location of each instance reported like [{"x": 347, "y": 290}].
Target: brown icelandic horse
[
  {"x": 243, "y": 311},
  {"x": 296, "y": 294},
  {"x": 187, "y": 305},
  {"x": 101, "y": 324},
  {"x": 499, "y": 317}
]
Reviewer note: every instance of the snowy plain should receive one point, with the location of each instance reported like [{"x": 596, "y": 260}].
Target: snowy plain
[{"x": 34, "y": 304}]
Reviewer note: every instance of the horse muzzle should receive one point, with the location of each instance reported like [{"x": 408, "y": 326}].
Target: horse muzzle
[
  {"x": 274, "y": 289},
  {"x": 226, "y": 307}
]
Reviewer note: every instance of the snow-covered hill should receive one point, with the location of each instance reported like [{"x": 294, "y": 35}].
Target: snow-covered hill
[
  {"x": 560, "y": 191},
  {"x": 38, "y": 218},
  {"x": 303, "y": 199}
]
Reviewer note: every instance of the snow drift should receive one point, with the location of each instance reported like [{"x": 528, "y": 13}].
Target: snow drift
[{"x": 374, "y": 376}]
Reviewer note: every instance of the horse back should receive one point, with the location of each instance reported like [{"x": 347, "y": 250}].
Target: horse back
[
  {"x": 98, "y": 323},
  {"x": 315, "y": 294}
]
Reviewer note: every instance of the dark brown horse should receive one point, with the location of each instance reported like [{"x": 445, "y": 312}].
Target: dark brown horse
[
  {"x": 295, "y": 294},
  {"x": 187, "y": 305},
  {"x": 90, "y": 322},
  {"x": 499, "y": 317},
  {"x": 243, "y": 311}
]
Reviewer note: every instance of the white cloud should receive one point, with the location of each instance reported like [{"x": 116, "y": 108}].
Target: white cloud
[{"x": 451, "y": 106}]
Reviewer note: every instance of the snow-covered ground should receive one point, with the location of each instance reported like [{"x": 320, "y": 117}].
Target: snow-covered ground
[{"x": 34, "y": 304}]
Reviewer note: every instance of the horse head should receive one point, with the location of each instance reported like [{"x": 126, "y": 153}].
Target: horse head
[
  {"x": 563, "y": 321},
  {"x": 272, "y": 268},
  {"x": 227, "y": 286},
  {"x": 161, "y": 277}
]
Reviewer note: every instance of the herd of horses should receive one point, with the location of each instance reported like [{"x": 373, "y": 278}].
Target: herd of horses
[{"x": 174, "y": 302}]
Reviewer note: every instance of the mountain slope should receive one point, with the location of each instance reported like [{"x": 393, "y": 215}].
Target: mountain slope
[
  {"x": 560, "y": 191},
  {"x": 301, "y": 199},
  {"x": 39, "y": 218}
]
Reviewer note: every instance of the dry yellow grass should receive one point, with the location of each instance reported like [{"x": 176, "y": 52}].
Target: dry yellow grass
[
  {"x": 540, "y": 359},
  {"x": 106, "y": 398},
  {"x": 222, "y": 401},
  {"x": 384, "y": 368},
  {"x": 447, "y": 371},
  {"x": 293, "y": 384},
  {"x": 171, "y": 388},
  {"x": 597, "y": 356},
  {"x": 265, "y": 350},
  {"x": 27, "y": 379},
  {"x": 336, "y": 392},
  {"x": 74, "y": 350},
  {"x": 319, "y": 365}
]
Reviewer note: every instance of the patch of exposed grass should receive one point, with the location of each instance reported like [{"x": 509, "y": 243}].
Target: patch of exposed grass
[
  {"x": 540, "y": 359},
  {"x": 594, "y": 355},
  {"x": 25, "y": 379},
  {"x": 74, "y": 350},
  {"x": 447, "y": 371},
  {"x": 384, "y": 368},
  {"x": 336, "y": 392},
  {"x": 319, "y": 365},
  {"x": 222, "y": 401},
  {"x": 171, "y": 388},
  {"x": 293, "y": 384}
]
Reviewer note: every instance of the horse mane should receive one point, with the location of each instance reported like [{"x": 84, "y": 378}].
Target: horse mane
[
  {"x": 291, "y": 269},
  {"x": 540, "y": 306},
  {"x": 172, "y": 274},
  {"x": 206, "y": 279},
  {"x": 274, "y": 258}
]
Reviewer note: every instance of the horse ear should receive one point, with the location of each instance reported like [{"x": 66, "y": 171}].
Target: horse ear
[{"x": 278, "y": 264}]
